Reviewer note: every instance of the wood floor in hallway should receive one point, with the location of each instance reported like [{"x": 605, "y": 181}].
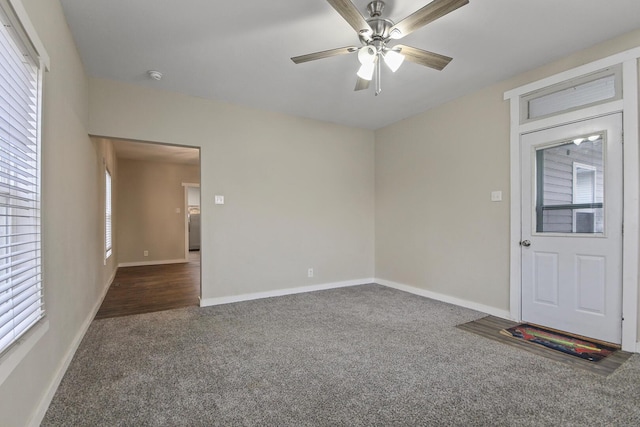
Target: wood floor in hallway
[{"x": 151, "y": 288}]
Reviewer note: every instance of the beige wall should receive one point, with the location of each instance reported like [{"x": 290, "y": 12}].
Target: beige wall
[
  {"x": 148, "y": 195},
  {"x": 436, "y": 228},
  {"x": 73, "y": 270},
  {"x": 298, "y": 193}
]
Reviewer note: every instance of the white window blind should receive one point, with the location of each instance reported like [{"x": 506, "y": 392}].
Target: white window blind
[
  {"x": 584, "y": 187},
  {"x": 107, "y": 219},
  {"x": 591, "y": 92},
  {"x": 21, "y": 297}
]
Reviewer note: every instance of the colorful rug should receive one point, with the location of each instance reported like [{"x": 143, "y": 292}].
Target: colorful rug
[{"x": 560, "y": 342}]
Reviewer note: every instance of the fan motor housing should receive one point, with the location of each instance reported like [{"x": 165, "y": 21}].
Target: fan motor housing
[
  {"x": 375, "y": 8},
  {"x": 380, "y": 26}
]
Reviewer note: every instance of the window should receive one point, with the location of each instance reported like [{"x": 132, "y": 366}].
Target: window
[
  {"x": 21, "y": 296},
  {"x": 584, "y": 192},
  {"x": 603, "y": 86},
  {"x": 107, "y": 216},
  {"x": 570, "y": 186}
]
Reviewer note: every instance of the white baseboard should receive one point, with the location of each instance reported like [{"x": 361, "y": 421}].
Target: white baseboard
[
  {"x": 41, "y": 410},
  {"x": 206, "y": 302},
  {"x": 110, "y": 281},
  {"x": 160, "y": 262},
  {"x": 504, "y": 314}
]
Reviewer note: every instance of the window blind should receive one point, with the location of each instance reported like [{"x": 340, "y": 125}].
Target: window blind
[
  {"x": 107, "y": 219},
  {"x": 21, "y": 296},
  {"x": 584, "y": 189},
  {"x": 580, "y": 95}
]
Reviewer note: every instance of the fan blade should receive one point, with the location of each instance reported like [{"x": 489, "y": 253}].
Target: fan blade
[
  {"x": 423, "y": 57},
  {"x": 362, "y": 84},
  {"x": 434, "y": 10},
  {"x": 324, "y": 54},
  {"x": 350, "y": 14}
]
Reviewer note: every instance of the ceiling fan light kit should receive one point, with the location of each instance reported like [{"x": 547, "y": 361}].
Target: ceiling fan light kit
[
  {"x": 367, "y": 54},
  {"x": 376, "y": 32},
  {"x": 393, "y": 59},
  {"x": 366, "y": 71}
]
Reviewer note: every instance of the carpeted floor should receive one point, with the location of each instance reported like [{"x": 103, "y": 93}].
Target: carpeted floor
[{"x": 360, "y": 356}]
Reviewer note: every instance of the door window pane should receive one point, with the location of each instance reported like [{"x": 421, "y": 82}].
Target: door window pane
[{"x": 570, "y": 186}]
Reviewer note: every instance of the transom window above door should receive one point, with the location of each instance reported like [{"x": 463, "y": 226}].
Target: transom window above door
[{"x": 593, "y": 89}]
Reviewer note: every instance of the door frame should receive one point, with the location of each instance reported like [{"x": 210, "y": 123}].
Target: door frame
[{"x": 628, "y": 106}]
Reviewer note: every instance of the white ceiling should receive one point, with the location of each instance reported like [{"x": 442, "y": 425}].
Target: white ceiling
[
  {"x": 156, "y": 152},
  {"x": 238, "y": 51}
]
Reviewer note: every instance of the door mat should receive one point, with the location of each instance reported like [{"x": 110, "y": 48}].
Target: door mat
[{"x": 567, "y": 344}]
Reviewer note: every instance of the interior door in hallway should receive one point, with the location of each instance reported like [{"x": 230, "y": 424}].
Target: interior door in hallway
[{"x": 572, "y": 227}]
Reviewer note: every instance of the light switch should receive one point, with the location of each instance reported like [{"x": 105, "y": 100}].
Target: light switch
[
  {"x": 219, "y": 200},
  {"x": 177, "y": 210},
  {"x": 496, "y": 196}
]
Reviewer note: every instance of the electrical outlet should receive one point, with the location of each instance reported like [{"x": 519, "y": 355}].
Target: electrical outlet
[
  {"x": 310, "y": 272},
  {"x": 146, "y": 253}
]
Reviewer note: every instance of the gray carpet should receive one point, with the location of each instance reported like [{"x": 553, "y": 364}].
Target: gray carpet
[{"x": 360, "y": 356}]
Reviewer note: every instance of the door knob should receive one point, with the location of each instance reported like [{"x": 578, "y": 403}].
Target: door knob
[{"x": 525, "y": 243}]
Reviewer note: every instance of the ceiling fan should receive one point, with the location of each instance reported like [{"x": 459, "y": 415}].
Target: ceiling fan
[{"x": 376, "y": 34}]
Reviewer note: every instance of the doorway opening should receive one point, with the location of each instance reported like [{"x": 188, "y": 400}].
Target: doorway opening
[{"x": 155, "y": 269}]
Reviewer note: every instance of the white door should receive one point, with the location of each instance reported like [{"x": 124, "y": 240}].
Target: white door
[{"x": 572, "y": 228}]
